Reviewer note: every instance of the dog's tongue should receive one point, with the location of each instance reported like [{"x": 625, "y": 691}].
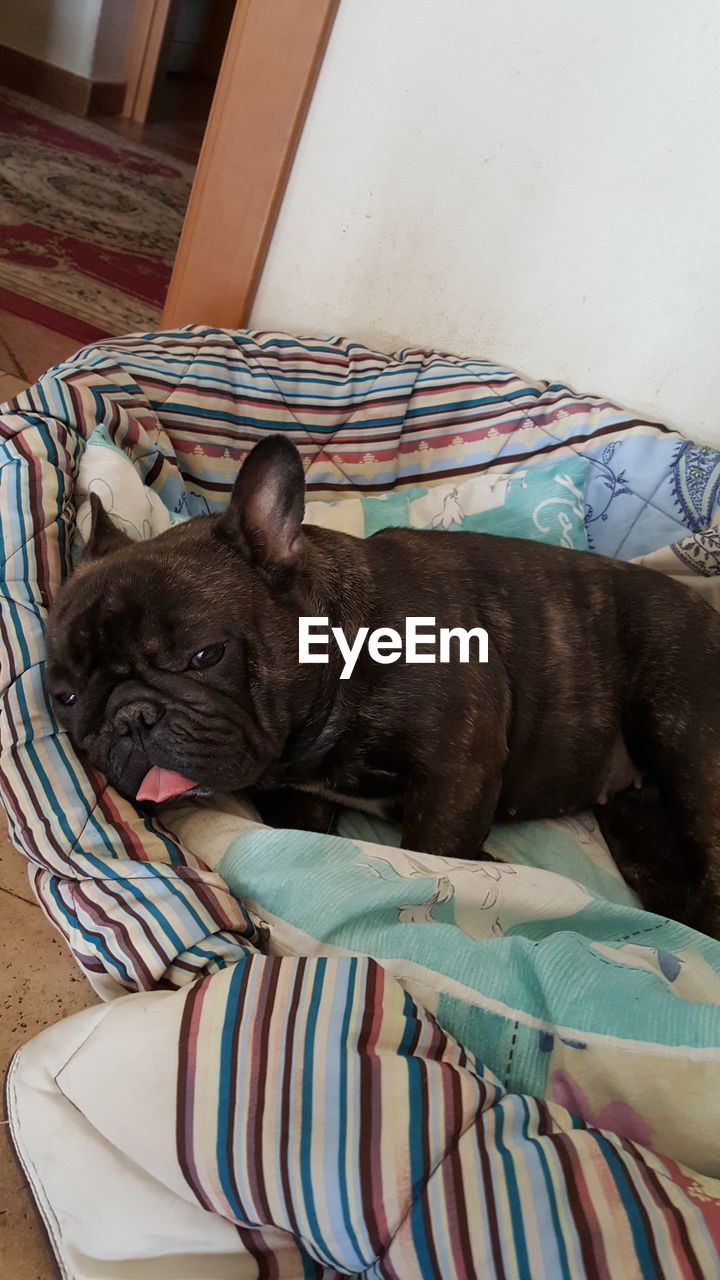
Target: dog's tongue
[{"x": 163, "y": 784}]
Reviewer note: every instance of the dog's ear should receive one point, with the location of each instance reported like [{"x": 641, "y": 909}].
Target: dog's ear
[
  {"x": 104, "y": 535},
  {"x": 267, "y": 506}
]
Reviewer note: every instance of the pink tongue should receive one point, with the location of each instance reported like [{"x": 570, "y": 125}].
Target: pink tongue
[{"x": 162, "y": 784}]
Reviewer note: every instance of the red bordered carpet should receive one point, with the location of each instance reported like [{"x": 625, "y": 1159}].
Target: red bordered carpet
[{"x": 89, "y": 223}]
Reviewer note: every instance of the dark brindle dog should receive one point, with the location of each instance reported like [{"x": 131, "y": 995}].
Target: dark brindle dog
[{"x": 181, "y": 654}]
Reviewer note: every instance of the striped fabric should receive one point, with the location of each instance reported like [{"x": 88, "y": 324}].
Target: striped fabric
[
  {"x": 135, "y": 911},
  {"x": 312, "y": 1106},
  {"x": 369, "y": 1142},
  {"x": 318, "y": 1108}
]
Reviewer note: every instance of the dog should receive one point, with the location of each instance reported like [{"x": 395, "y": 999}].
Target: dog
[{"x": 174, "y": 666}]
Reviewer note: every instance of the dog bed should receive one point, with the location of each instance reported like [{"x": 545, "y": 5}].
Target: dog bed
[{"x": 270, "y": 1101}]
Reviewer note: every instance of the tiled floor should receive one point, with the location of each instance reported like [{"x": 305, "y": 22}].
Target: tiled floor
[
  {"x": 9, "y": 386},
  {"x": 39, "y": 982},
  {"x": 27, "y": 349}
]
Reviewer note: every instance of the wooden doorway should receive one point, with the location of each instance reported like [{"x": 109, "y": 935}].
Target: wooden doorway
[
  {"x": 272, "y": 57},
  {"x": 174, "y": 58},
  {"x": 146, "y": 39}
]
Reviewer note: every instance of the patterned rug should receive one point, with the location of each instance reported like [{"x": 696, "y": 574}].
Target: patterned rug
[{"x": 89, "y": 223}]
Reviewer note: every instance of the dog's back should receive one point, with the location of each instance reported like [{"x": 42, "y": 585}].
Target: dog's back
[{"x": 612, "y": 671}]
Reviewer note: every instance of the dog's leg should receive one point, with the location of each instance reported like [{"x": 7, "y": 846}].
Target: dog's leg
[
  {"x": 296, "y": 810},
  {"x": 692, "y": 796},
  {"x": 449, "y": 809},
  {"x": 677, "y": 734},
  {"x": 642, "y": 840},
  {"x": 660, "y": 845},
  {"x": 450, "y": 815}
]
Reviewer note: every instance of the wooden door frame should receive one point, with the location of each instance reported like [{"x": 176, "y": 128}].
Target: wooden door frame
[
  {"x": 272, "y": 58},
  {"x": 146, "y": 40}
]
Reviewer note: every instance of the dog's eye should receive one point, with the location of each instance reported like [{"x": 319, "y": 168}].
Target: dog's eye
[
  {"x": 67, "y": 699},
  {"x": 208, "y": 657}
]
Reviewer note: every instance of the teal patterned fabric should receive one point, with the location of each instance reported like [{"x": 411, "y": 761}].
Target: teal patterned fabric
[{"x": 545, "y": 503}]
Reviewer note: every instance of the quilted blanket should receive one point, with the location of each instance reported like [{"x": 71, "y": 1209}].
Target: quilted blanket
[
  {"x": 481, "y": 944},
  {"x": 576, "y": 995}
]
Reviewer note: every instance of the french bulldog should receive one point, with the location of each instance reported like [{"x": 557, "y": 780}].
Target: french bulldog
[{"x": 174, "y": 665}]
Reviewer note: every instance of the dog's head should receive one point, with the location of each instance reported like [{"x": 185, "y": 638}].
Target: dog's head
[{"x": 174, "y": 661}]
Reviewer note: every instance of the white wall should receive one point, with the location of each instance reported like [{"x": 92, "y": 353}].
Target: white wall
[
  {"x": 88, "y": 37},
  {"x": 61, "y": 32},
  {"x": 533, "y": 182},
  {"x": 112, "y": 41}
]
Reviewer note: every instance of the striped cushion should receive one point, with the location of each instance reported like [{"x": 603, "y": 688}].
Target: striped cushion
[{"x": 339, "y": 1128}]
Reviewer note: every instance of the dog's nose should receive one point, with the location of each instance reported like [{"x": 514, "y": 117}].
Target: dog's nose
[{"x": 139, "y": 714}]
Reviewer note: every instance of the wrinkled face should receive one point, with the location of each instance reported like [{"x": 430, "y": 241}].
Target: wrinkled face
[{"x": 179, "y": 654}]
